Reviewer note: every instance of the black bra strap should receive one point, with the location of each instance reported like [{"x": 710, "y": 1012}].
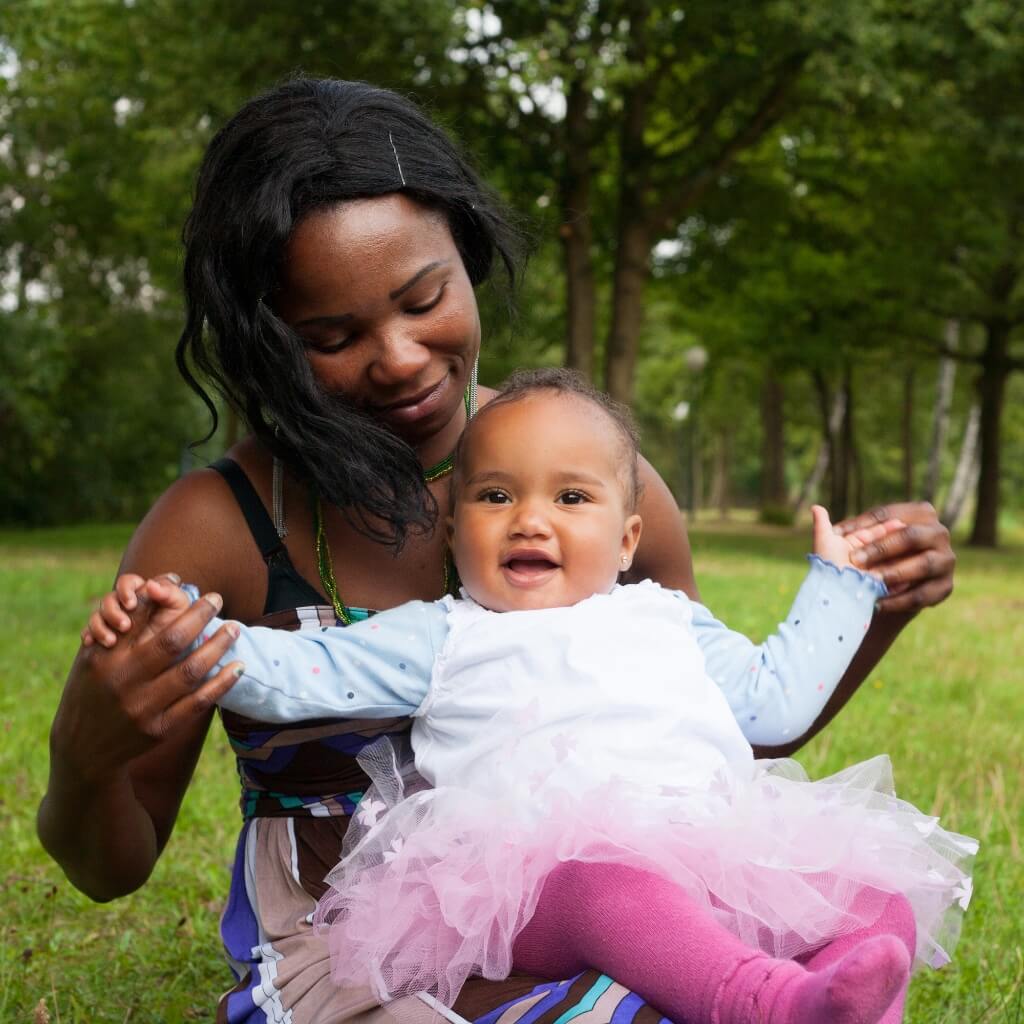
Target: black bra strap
[{"x": 260, "y": 524}]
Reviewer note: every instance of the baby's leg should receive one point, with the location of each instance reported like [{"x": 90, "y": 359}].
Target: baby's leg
[
  {"x": 897, "y": 918},
  {"x": 646, "y": 933}
]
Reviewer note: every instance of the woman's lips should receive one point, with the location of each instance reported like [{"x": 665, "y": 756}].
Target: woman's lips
[{"x": 415, "y": 407}]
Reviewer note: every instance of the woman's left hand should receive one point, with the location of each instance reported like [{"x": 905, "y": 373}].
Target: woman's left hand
[{"x": 915, "y": 561}]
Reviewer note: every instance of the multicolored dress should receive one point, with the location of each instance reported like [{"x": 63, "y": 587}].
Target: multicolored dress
[{"x": 299, "y": 785}]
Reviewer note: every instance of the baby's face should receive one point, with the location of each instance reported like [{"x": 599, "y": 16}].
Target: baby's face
[{"x": 541, "y": 517}]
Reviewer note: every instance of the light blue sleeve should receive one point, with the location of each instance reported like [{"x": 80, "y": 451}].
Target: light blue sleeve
[
  {"x": 777, "y": 689},
  {"x": 377, "y": 668}
]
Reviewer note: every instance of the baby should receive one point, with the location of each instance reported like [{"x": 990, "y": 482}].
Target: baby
[{"x": 593, "y": 800}]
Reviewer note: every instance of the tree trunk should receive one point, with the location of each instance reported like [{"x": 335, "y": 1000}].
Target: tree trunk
[
  {"x": 995, "y": 371},
  {"x": 773, "y": 443},
  {"x": 940, "y": 418},
  {"x": 635, "y": 227},
  {"x": 632, "y": 267},
  {"x": 965, "y": 478},
  {"x": 908, "y": 434},
  {"x": 576, "y": 234},
  {"x": 833, "y": 417},
  {"x": 721, "y": 492},
  {"x": 841, "y": 452}
]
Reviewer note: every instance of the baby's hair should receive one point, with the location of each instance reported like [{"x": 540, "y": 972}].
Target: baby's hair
[{"x": 524, "y": 383}]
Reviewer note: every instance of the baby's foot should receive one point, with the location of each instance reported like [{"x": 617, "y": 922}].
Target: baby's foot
[{"x": 856, "y": 990}]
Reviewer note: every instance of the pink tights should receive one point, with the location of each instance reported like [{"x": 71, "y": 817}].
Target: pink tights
[{"x": 646, "y": 933}]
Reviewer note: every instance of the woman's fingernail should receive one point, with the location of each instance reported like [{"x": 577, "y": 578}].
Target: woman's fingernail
[
  {"x": 238, "y": 670},
  {"x": 174, "y": 577},
  {"x": 860, "y": 556},
  {"x": 233, "y": 630},
  {"x": 216, "y": 600}
]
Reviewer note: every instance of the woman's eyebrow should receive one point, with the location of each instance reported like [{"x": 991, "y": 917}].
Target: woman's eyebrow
[{"x": 401, "y": 289}]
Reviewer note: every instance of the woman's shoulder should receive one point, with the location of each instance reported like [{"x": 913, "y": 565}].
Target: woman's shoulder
[
  {"x": 663, "y": 553},
  {"x": 197, "y": 529}
]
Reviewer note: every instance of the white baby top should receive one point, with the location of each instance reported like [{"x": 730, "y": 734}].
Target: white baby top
[{"x": 613, "y": 687}]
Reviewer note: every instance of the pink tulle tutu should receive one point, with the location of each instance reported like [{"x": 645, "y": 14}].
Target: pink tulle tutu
[{"x": 436, "y": 884}]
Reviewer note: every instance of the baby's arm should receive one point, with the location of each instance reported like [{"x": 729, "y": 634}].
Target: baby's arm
[
  {"x": 777, "y": 689},
  {"x": 379, "y": 668}
]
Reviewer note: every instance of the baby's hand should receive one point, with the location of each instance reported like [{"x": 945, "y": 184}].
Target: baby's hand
[
  {"x": 837, "y": 549},
  {"x": 111, "y": 617}
]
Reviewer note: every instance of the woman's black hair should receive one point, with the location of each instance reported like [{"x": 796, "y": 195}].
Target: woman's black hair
[{"x": 305, "y": 145}]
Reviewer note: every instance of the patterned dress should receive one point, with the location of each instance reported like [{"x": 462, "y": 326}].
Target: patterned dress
[{"x": 299, "y": 784}]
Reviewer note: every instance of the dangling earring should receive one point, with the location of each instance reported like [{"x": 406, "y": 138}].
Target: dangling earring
[{"x": 471, "y": 403}]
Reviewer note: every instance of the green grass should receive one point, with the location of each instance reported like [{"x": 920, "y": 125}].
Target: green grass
[{"x": 946, "y": 704}]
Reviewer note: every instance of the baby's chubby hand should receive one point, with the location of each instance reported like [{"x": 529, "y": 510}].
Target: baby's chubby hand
[
  {"x": 837, "y": 548},
  {"x": 163, "y": 593}
]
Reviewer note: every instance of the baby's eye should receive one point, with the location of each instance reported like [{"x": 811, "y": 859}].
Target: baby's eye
[
  {"x": 572, "y": 498},
  {"x": 495, "y": 497}
]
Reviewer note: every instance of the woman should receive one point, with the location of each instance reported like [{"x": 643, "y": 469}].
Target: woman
[{"x": 331, "y": 260}]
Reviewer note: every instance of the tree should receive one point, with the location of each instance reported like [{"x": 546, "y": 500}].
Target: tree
[{"x": 643, "y": 107}]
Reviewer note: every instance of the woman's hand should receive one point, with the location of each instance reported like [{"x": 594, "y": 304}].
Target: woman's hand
[
  {"x": 122, "y": 700},
  {"x": 915, "y": 561}
]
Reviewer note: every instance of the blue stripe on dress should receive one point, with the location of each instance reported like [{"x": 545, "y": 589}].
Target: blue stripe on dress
[
  {"x": 589, "y": 1001},
  {"x": 239, "y": 932},
  {"x": 556, "y": 993}
]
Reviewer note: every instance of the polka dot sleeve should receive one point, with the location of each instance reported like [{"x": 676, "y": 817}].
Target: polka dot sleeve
[
  {"x": 778, "y": 688},
  {"x": 378, "y": 668}
]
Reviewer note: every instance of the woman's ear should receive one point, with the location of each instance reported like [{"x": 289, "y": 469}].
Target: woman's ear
[
  {"x": 449, "y": 529},
  {"x": 630, "y": 539}
]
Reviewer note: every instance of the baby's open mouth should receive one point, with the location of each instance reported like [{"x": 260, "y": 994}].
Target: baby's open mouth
[
  {"x": 529, "y": 565},
  {"x": 527, "y": 562}
]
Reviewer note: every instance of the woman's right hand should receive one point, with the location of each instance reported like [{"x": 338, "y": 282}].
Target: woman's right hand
[{"x": 122, "y": 700}]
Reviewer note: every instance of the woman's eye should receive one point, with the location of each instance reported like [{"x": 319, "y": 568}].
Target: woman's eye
[
  {"x": 427, "y": 306},
  {"x": 327, "y": 347},
  {"x": 573, "y": 498}
]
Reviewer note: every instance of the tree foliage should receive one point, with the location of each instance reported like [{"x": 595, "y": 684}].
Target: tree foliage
[{"x": 808, "y": 191}]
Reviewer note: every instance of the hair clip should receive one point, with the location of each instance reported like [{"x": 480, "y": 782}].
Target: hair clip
[{"x": 397, "y": 161}]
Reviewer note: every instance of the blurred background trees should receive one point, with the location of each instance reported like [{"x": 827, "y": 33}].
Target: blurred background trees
[{"x": 788, "y": 232}]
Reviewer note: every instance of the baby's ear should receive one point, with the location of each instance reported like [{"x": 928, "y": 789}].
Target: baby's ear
[{"x": 630, "y": 540}]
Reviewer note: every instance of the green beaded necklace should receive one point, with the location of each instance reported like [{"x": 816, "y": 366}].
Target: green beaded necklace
[{"x": 324, "y": 563}]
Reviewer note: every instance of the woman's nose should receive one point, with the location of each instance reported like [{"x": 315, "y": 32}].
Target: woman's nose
[{"x": 399, "y": 358}]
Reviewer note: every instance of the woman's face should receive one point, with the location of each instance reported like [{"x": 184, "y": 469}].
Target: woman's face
[{"x": 377, "y": 289}]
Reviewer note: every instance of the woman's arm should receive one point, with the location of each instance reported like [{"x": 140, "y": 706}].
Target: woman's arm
[
  {"x": 120, "y": 758},
  {"x": 778, "y": 688},
  {"x": 916, "y": 562}
]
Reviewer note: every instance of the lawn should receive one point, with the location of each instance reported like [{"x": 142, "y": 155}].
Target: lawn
[{"x": 946, "y": 703}]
